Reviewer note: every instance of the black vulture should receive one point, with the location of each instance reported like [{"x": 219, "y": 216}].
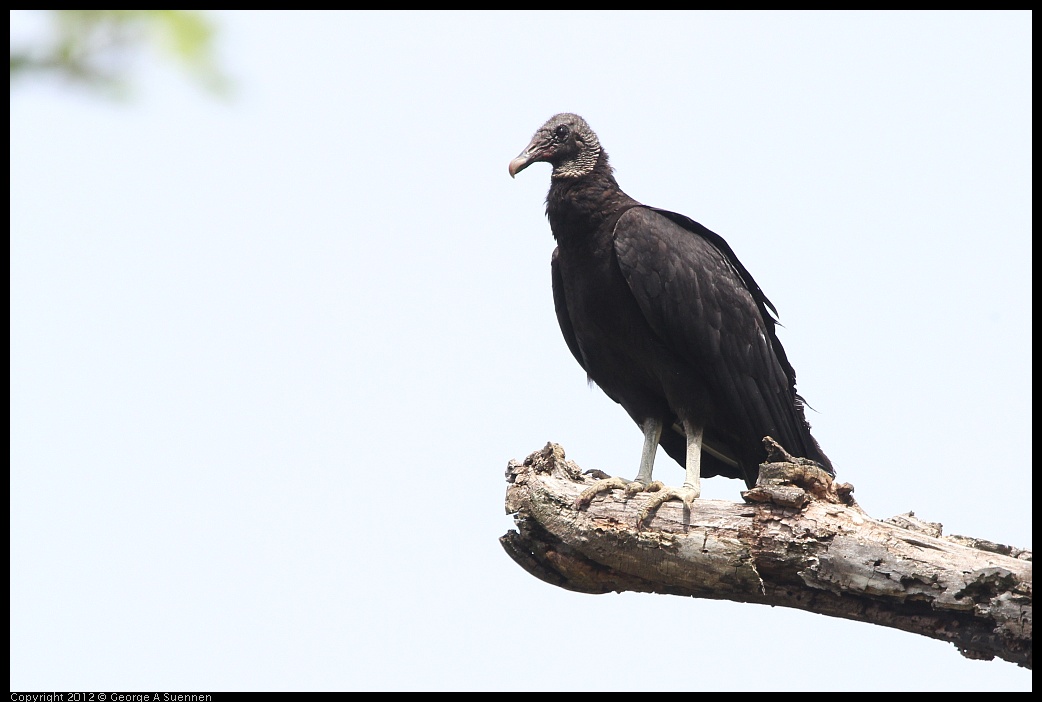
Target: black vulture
[{"x": 666, "y": 320}]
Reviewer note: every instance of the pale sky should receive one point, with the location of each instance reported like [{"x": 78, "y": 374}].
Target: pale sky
[{"x": 270, "y": 355}]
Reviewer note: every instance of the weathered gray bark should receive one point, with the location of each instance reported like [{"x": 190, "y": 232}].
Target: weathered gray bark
[{"x": 798, "y": 541}]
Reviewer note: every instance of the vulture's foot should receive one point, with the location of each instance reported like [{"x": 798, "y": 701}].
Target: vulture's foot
[
  {"x": 632, "y": 487},
  {"x": 686, "y": 494},
  {"x": 605, "y": 485}
]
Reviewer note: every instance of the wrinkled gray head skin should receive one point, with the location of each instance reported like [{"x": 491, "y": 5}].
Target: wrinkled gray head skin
[{"x": 566, "y": 142}]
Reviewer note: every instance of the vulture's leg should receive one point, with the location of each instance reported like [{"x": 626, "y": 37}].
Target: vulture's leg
[
  {"x": 692, "y": 480},
  {"x": 652, "y": 433},
  {"x": 693, "y": 462}
]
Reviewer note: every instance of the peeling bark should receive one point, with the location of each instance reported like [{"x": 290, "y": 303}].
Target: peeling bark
[{"x": 798, "y": 541}]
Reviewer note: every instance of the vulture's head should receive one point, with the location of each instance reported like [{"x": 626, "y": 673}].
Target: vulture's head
[{"x": 566, "y": 142}]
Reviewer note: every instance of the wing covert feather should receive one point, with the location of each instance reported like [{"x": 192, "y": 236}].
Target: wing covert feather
[{"x": 697, "y": 299}]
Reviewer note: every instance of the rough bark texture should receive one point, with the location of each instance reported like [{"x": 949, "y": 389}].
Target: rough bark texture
[{"x": 798, "y": 541}]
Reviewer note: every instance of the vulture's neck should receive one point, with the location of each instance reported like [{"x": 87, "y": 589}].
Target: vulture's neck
[{"x": 578, "y": 206}]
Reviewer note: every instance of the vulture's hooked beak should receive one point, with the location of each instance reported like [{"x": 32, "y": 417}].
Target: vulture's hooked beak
[
  {"x": 538, "y": 150},
  {"x": 519, "y": 164}
]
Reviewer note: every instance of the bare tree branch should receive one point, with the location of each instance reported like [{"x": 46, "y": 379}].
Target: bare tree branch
[{"x": 798, "y": 541}]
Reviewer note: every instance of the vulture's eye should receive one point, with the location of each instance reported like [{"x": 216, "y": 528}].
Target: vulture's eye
[{"x": 561, "y": 131}]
